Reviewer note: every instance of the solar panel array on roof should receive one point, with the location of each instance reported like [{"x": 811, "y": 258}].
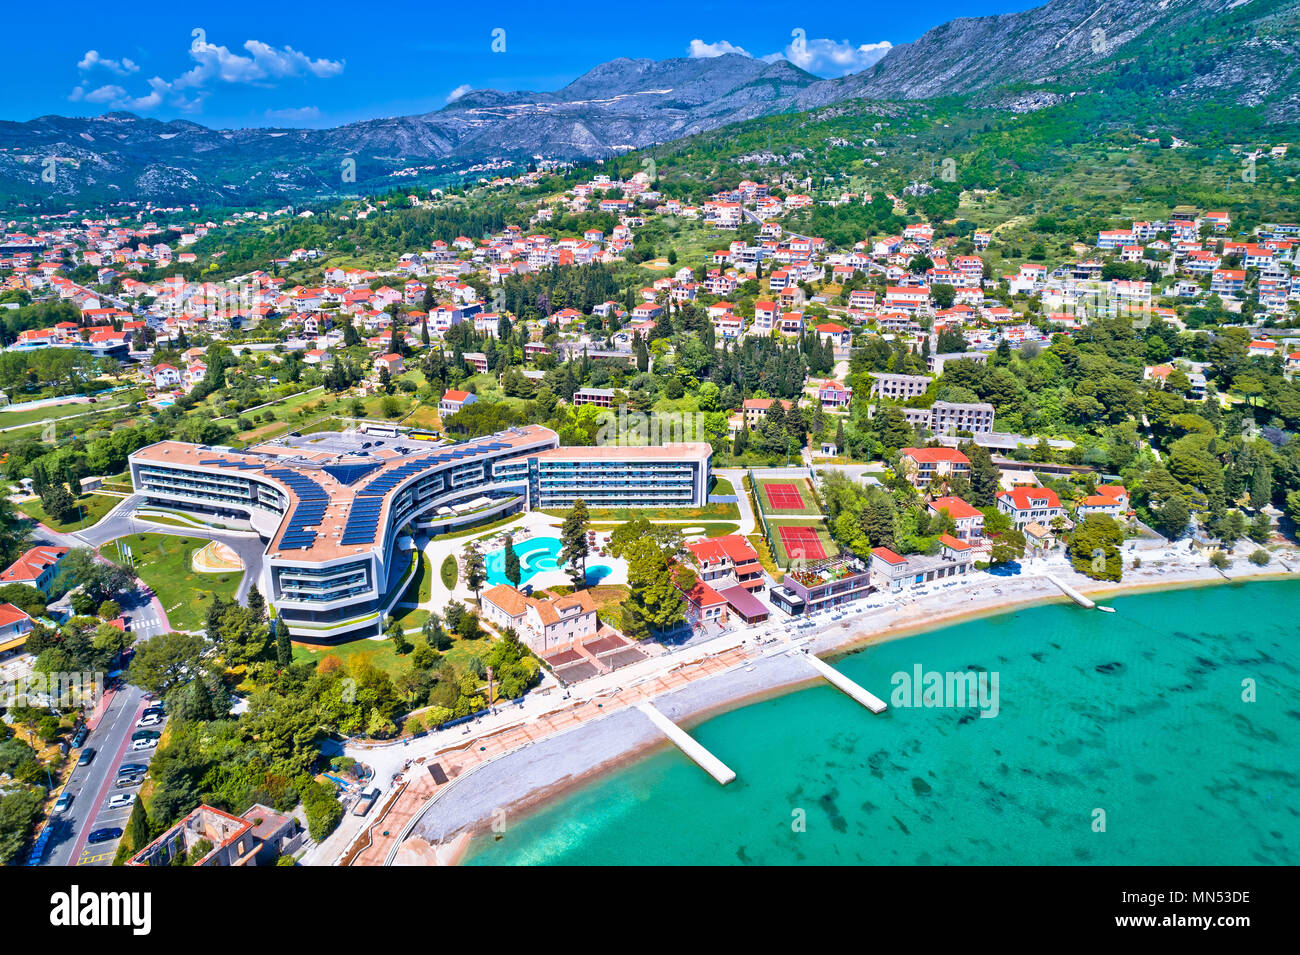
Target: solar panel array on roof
[
  {"x": 363, "y": 521},
  {"x": 307, "y": 513}
]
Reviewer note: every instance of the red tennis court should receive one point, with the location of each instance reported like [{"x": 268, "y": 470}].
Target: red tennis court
[
  {"x": 802, "y": 542},
  {"x": 784, "y": 497}
]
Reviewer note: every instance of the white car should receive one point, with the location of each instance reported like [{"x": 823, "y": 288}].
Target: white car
[
  {"x": 143, "y": 744},
  {"x": 121, "y": 800},
  {"x": 61, "y": 806},
  {"x": 150, "y": 720}
]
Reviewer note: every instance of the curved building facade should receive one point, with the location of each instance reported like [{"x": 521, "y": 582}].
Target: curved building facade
[{"x": 333, "y": 506}]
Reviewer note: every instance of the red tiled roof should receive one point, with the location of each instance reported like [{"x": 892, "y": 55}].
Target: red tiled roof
[
  {"x": 957, "y": 508},
  {"x": 1027, "y": 498},
  {"x": 9, "y": 614},
  {"x": 933, "y": 455},
  {"x": 732, "y": 547},
  {"x": 885, "y": 554},
  {"x": 32, "y": 564}
]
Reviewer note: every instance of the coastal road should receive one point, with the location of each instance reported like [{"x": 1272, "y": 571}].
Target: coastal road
[{"x": 91, "y": 785}]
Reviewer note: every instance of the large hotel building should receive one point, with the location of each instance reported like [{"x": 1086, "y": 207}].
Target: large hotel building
[{"x": 333, "y": 505}]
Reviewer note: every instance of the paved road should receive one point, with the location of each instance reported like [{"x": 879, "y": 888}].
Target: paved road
[
  {"x": 91, "y": 785},
  {"x": 121, "y": 521}
]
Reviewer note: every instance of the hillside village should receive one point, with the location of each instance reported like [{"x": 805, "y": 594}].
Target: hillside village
[{"x": 824, "y": 429}]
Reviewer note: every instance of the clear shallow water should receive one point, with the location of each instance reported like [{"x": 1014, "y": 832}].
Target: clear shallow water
[
  {"x": 1139, "y": 713},
  {"x": 536, "y": 556}
]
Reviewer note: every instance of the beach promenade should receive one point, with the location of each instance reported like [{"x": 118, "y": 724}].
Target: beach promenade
[{"x": 439, "y": 787}]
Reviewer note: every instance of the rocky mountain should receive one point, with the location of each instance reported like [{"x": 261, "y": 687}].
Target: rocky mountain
[{"x": 1216, "y": 51}]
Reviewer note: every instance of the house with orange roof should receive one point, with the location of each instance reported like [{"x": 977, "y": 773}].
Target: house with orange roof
[
  {"x": 545, "y": 622},
  {"x": 1030, "y": 505},
  {"x": 727, "y": 561},
  {"x": 166, "y": 376},
  {"x": 453, "y": 401},
  {"x": 392, "y": 362},
  {"x": 924, "y": 465},
  {"x": 36, "y": 568},
  {"x": 756, "y": 409},
  {"x": 1110, "y": 499},
  {"x": 15, "y": 625},
  {"x": 834, "y": 395},
  {"x": 969, "y": 521},
  {"x": 891, "y": 572}
]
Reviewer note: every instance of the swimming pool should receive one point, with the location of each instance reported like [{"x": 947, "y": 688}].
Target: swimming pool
[{"x": 536, "y": 556}]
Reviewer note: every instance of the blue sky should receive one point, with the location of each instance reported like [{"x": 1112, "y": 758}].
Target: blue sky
[{"x": 238, "y": 63}]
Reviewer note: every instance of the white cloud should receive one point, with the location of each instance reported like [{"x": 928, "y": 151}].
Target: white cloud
[
  {"x": 106, "y": 94},
  {"x": 266, "y": 63},
  {"x": 212, "y": 64},
  {"x": 832, "y": 58},
  {"x": 301, "y": 114},
  {"x": 699, "y": 49},
  {"x": 821, "y": 56},
  {"x": 121, "y": 67},
  {"x": 458, "y": 92}
]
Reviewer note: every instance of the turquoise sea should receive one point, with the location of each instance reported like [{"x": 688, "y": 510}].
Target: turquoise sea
[{"x": 1139, "y": 713}]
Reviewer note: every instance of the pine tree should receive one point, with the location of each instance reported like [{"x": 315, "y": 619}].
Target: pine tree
[
  {"x": 475, "y": 571},
  {"x": 574, "y": 537}
]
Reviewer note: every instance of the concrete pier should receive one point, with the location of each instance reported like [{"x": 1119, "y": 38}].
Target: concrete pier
[
  {"x": 1070, "y": 592},
  {"x": 840, "y": 681},
  {"x": 707, "y": 761}
]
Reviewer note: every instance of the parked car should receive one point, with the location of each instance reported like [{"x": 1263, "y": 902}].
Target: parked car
[
  {"x": 150, "y": 719},
  {"x": 104, "y": 835},
  {"x": 62, "y": 804},
  {"x": 143, "y": 744},
  {"x": 127, "y": 769},
  {"x": 145, "y": 734},
  {"x": 87, "y": 755},
  {"x": 126, "y": 782},
  {"x": 121, "y": 800},
  {"x": 79, "y": 737},
  {"x": 153, "y": 710}
]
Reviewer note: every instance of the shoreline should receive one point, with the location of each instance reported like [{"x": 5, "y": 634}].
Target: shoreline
[{"x": 533, "y": 777}]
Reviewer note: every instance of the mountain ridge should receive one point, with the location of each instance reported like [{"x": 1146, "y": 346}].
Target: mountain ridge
[{"x": 1240, "y": 52}]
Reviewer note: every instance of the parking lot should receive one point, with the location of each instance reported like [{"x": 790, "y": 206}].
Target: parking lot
[{"x": 90, "y": 794}]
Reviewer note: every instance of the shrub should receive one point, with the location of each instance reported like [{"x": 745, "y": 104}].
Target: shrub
[
  {"x": 321, "y": 805},
  {"x": 1260, "y": 557},
  {"x": 449, "y": 572},
  {"x": 1220, "y": 560}
]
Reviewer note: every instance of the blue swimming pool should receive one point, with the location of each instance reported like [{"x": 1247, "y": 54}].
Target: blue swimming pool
[{"x": 536, "y": 556}]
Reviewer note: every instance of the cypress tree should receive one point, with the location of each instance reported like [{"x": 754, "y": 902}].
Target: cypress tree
[{"x": 283, "y": 648}]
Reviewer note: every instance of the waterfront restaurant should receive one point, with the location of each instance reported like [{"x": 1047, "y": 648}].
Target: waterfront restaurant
[{"x": 821, "y": 584}]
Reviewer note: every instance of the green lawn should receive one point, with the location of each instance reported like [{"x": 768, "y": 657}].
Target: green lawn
[
  {"x": 722, "y": 487},
  {"x": 380, "y": 653},
  {"x": 9, "y": 419},
  {"x": 421, "y": 587},
  {"x": 163, "y": 563},
  {"x": 93, "y": 507}
]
